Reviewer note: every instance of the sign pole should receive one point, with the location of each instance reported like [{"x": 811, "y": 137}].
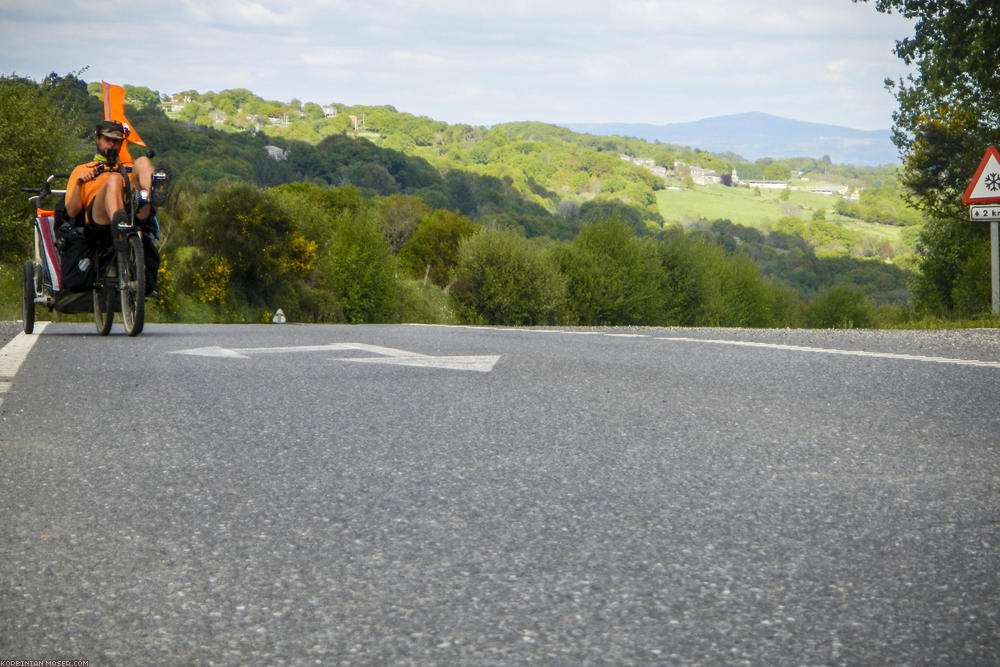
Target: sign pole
[{"x": 995, "y": 264}]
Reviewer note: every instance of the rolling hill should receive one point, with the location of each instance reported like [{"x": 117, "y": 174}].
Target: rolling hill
[{"x": 759, "y": 135}]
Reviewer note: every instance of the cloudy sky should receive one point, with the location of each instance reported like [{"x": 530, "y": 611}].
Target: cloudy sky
[{"x": 483, "y": 61}]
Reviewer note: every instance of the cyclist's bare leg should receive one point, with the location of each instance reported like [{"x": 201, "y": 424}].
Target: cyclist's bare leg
[
  {"x": 109, "y": 199},
  {"x": 142, "y": 179}
]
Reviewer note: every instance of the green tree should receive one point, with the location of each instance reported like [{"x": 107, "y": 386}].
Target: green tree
[
  {"x": 246, "y": 230},
  {"x": 39, "y": 130},
  {"x": 708, "y": 287},
  {"x": 361, "y": 268},
  {"x": 353, "y": 278},
  {"x": 613, "y": 277},
  {"x": 949, "y": 113},
  {"x": 314, "y": 208},
  {"x": 687, "y": 262},
  {"x": 433, "y": 249},
  {"x": 399, "y": 216},
  {"x": 502, "y": 278},
  {"x": 142, "y": 97},
  {"x": 744, "y": 297},
  {"x": 313, "y": 111},
  {"x": 777, "y": 171},
  {"x": 840, "y": 307}
]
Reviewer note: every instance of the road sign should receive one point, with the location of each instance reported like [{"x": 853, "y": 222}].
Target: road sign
[
  {"x": 985, "y": 189},
  {"x": 984, "y": 213},
  {"x": 985, "y": 185}
]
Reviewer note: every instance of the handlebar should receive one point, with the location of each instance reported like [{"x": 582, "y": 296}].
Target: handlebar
[
  {"x": 46, "y": 190},
  {"x": 118, "y": 166}
]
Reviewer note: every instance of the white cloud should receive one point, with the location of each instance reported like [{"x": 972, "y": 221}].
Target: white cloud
[
  {"x": 420, "y": 60},
  {"x": 837, "y": 71},
  {"x": 333, "y": 56},
  {"x": 241, "y": 13}
]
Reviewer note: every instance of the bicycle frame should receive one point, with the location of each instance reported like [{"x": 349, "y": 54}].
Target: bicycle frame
[{"x": 121, "y": 271}]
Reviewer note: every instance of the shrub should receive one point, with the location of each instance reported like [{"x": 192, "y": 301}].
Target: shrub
[
  {"x": 433, "y": 249},
  {"x": 840, "y": 307},
  {"x": 426, "y": 304},
  {"x": 612, "y": 277},
  {"x": 247, "y": 230},
  {"x": 502, "y": 278},
  {"x": 361, "y": 268}
]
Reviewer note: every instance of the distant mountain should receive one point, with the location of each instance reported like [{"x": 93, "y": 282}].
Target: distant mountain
[{"x": 758, "y": 135}]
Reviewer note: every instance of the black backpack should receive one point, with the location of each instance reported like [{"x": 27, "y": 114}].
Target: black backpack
[{"x": 77, "y": 252}]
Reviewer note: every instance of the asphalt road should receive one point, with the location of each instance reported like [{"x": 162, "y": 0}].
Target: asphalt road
[{"x": 636, "y": 496}]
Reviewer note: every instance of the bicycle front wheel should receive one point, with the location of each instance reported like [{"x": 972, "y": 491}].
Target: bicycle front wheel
[
  {"x": 132, "y": 266},
  {"x": 104, "y": 312}
]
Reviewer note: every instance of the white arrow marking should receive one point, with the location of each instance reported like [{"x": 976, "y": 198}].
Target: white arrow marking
[
  {"x": 460, "y": 363},
  {"x": 245, "y": 352},
  {"x": 389, "y": 355},
  {"x": 212, "y": 352}
]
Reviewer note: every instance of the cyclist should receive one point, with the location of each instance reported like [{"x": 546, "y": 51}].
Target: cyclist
[
  {"x": 95, "y": 195},
  {"x": 100, "y": 193}
]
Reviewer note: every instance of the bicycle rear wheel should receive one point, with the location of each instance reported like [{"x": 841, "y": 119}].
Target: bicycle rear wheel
[
  {"x": 28, "y": 297},
  {"x": 132, "y": 267}
]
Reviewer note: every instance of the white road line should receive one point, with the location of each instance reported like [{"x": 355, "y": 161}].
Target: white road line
[
  {"x": 776, "y": 346},
  {"x": 851, "y": 353},
  {"x": 13, "y": 355}
]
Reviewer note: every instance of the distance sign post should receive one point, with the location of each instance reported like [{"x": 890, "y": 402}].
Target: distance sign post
[{"x": 983, "y": 195}]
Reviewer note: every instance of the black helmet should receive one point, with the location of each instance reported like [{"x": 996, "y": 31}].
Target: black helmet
[{"x": 111, "y": 129}]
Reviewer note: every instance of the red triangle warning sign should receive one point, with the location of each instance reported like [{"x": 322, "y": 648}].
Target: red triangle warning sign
[{"x": 985, "y": 185}]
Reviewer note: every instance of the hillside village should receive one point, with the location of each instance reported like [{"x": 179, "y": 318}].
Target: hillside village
[{"x": 703, "y": 176}]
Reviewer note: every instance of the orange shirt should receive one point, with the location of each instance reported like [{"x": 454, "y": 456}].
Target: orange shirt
[{"x": 89, "y": 189}]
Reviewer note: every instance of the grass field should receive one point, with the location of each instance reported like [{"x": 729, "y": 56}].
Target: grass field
[{"x": 761, "y": 209}]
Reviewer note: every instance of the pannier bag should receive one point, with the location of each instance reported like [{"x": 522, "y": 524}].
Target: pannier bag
[{"x": 78, "y": 262}]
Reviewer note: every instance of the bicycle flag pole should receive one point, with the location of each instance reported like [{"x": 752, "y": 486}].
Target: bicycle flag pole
[{"x": 114, "y": 109}]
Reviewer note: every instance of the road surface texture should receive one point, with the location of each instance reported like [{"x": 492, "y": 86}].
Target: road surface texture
[{"x": 288, "y": 494}]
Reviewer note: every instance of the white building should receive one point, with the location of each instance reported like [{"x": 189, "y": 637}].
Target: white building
[{"x": 765, "y": 185}]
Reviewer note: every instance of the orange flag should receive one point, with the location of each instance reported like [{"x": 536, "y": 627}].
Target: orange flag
[{"x": 114, "y": 109}]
